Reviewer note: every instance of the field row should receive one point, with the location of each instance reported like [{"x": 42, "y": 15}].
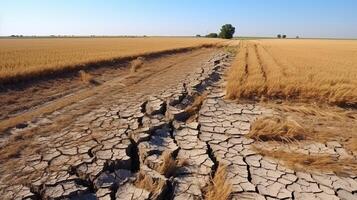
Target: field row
[{"x": 322, "y": 71}]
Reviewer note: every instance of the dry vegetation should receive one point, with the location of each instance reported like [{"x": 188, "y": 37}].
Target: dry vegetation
[
  {"x": 29, "y": 57},
  {"x": 193, "y": 109},
  {"x": 87, "y": 78},
  {"x": 302, "y": 70},
  {"x": 220, "y": 187},
  {"x": 296, "y": 125},
  {"x": 169, "y": 166},
  {"x": 304, "y": 162},
  {"x": 146, "y": 182},
  {"x": 136, "y": 64},
  {"x": 277, "y": 129}
]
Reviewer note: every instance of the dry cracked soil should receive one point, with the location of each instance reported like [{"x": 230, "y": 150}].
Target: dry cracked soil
[{"x": 93, "y": 146}]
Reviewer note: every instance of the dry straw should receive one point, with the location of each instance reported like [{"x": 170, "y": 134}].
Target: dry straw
[
  {"x": 29, "y": 58},
  {"x": 308, "y": 71}
]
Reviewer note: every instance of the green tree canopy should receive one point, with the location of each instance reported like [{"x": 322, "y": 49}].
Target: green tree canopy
[
  {"x": 227, "y": 31},
  {"x": 212, "y": 35}
]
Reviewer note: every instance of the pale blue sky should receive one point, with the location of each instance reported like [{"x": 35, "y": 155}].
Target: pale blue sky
[{"x": 306, "y": 18}]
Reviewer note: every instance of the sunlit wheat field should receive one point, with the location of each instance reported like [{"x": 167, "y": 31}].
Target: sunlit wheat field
[
  {"x": 303, "y": 70},
  {"x": 25, "y": 57}
]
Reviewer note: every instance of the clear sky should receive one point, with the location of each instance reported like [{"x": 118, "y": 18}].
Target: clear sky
[{"x": 306, "y": 18}]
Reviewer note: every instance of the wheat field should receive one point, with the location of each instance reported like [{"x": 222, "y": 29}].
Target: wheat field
[
  {"x": 28, "y": 57},
  {"x": 301, "y": 70}
]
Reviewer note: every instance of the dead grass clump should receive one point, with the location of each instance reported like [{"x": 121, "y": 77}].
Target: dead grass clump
[
  {"x": 169, "y": 165},
  {"x": 315, "y": 111},
  {"x": 304, "y": 162},
  {"x": 136, "y": 64},
  {"x": 194, "y": 108},
  {"x": 277, "y": 129},
  {"x": 146, "y": 182},
  {"x": 220, "y": 187},
  {"x": 230, "y": 49},
  {"x": 85, "y": 77}
]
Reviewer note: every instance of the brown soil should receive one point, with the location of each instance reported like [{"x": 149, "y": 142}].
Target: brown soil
[
  {"x": 116, "y": 83},
  {"x": 22, "y": 102}
]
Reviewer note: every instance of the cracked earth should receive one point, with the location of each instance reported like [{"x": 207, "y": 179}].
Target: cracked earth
[{"x": 99, "y": 153}]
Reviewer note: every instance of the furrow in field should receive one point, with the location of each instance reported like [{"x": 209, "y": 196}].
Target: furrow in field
[
  {"x": 274, "y": 61},
  {"x": 255, "y": 84},
  {"x": 275, "y": 74},
  {"x": 238, "y": 72},
  {"x": 260, "y": 63}
]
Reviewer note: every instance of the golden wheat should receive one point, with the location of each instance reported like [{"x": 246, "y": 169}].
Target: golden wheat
[
  {"x": 23, "y": 57},
  {"x": 303, "y": 70}
]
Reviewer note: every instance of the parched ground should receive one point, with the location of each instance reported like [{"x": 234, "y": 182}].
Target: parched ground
[{"x": 93, "y": 143}]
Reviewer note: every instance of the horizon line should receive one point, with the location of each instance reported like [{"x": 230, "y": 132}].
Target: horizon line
[{"x": 19, "y": 36}]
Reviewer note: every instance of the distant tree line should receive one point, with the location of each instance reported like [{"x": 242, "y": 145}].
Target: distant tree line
[
  {"x": 227, "y": 31},
  {"x": 284, "y": 36},
  {"x": 281, "y": 36},
  {"x": 212, "y": 35}
]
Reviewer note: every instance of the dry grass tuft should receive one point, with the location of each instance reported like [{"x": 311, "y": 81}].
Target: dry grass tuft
[
  {"x": 85, "y": 77},
  {"x": 220, "y": 188},
  {"x": 136, "y": 64},
  {"x": 194, "y": 108},
  {"x": 230, "y": 49},
  {"x": 169, "y": 165},
  {"x": 277, "y": 129},
  {"x": 196, "y": 105},
  {"x": 304, "y": 162},
  {"x": 146, "y": 182},
  {"x": 329, "y": 112}
]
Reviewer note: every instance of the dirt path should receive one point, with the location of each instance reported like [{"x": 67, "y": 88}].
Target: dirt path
[
  {"x": 148, "y": 137},
  {"x": 27, "y": 103}
]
